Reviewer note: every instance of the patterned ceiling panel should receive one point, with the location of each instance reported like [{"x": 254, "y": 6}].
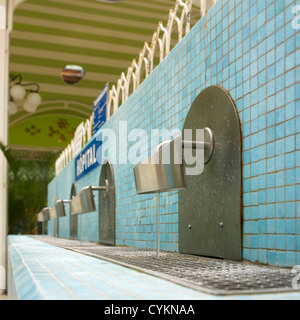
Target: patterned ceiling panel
[{"x": 101, "y": 37}]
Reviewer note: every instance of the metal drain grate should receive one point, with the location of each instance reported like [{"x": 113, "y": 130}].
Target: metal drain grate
[{"x": 204, "y": 274}]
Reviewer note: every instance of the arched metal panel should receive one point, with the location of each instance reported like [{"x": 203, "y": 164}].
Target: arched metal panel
[
  {"x": 210, "y": 207},
  {"x": 73, "y": 217},
  {"x": 107, "y": 206},
  {"x": 56, "y": 221}
]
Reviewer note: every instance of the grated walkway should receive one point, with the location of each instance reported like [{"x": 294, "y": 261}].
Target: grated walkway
[{"x": 207, "y": 275}]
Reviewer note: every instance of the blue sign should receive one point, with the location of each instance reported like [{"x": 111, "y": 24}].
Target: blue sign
[
  {"x": 86, "y": 161},
  {"x": 100, "y": 106}
]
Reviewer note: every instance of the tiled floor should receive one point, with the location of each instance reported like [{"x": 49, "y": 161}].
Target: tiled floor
[
  {"x": 214, "y": 276},
  {"x": 44, "y": 271}
]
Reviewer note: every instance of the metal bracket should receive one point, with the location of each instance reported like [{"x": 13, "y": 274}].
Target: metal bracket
[
  {"x": 84, "y": 202},
  {"x": 208, "y": 144},
  {"x": 63, "y": 201},
  {"x": 99, "y": 188},
  {"x": 60, "y": 207}
]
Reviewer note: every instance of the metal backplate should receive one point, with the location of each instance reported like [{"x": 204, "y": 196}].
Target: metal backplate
[
  {"x": 107, "y": 206},
  {"x": 210, "y": 207},
  {"x": 73, "y": 217},
  {"x": 56, "y": 218}
]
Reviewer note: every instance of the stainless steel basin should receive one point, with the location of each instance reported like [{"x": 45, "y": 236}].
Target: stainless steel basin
[
  {"x": 157, "y": 175},
  {"x": 152, "y": 175},
  {"x": 53, "y": 213},
  {"x": 44, "y": 215},
  {"x": 60, "y": 208},
  {"x": 84, "y": 202},
  {"x": 40, "y": 217}
]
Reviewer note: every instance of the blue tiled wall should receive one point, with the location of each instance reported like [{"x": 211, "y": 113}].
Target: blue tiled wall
[{"x": 249, "y": 48}]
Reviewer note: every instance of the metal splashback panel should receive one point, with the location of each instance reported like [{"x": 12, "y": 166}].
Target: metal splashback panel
[
  {"x": 210, "y": 207},
  {"x": 107, "y": 206},
  {"x": 73, "y": 217}
]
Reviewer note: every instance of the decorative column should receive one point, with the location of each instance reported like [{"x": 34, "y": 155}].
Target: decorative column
[
  {"x": 6, "y": 13},
  {"x": 4, "y": 34}
]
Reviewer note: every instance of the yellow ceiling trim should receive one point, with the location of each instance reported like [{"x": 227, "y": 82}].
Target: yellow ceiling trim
[
  {"x": 16, "y": 34},
  {"x": 80, "y": 28},
  {"x": 161, "y": 4},
  {"x": 113, "y": 7},
  {"x": 86, "y": 16},
  {"x": 65, "y": 89},
  {"x": 74, "y": 58}
]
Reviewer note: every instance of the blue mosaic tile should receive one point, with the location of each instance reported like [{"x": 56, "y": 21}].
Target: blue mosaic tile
[
  {"x": 290, "y": 226},
  {"x": 280, "y": 178},
  {"x": 251, "y": 53},
  {"x": 280, "y": 226},
  {"x": 290, "y": 193},
  {"x": 280, "y": 162},
  {"x": 298, "y": 141},
  {"x": 290, "y": 211},
  {"x": 271, "y": 242}
]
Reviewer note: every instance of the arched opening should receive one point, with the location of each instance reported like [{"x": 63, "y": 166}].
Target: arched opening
[
  {"x": 142, "y": 72},
  {"x": 176, "y": 32},
  {"x": 157, "y": 54},
  {"x": 131, "y": 85}
]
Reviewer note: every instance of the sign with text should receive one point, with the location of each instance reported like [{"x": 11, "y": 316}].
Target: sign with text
[
  {"x": 86, "y": 160},
  {"x": 78, "y": 136},
  {"x": 100, "y": 107}
]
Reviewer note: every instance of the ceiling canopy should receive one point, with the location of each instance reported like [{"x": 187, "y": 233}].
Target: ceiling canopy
[{"x": 102, "y": 37}]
